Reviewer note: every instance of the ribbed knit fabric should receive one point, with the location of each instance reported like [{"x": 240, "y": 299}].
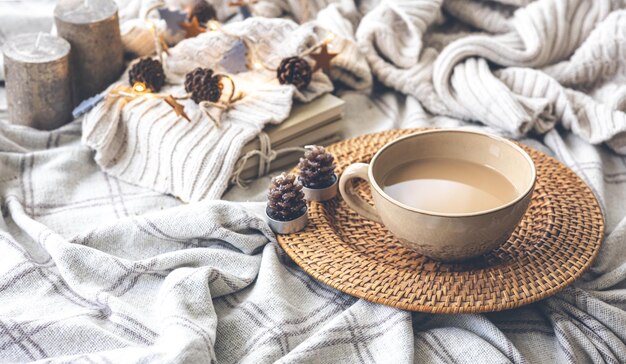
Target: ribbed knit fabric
[
  {"x": 299, "y": 10},
  {"x": 450, "y": 71},
  {"x": 349, "y": 67},
  {"x": 490, "y": 17},
  {"x": 545, "y": 32},
  {"x": 340, "y": 17},
  {"x": 143, "y": 141}
]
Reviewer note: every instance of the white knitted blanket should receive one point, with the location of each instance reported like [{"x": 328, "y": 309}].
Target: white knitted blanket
[
  {"x": 94, "y": 269},
  {"x": 524, "y": 69}
]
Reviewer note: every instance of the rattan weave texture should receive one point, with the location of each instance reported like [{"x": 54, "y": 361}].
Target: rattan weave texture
[{"x": 556, "y": 241}]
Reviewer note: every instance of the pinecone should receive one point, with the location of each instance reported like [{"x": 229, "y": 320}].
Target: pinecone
[
  {"x": 285, "y": 199},
  {"x": 203, "y": 11},
  {"x": 295, "y": 71},
  {"x": 148, "y": 71},
  {"x": 204, "y": 85},
  {"x": 317, "y": 168}
]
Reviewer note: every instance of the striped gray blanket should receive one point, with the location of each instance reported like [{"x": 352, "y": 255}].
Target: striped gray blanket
[{"x": 97, "y": 270}]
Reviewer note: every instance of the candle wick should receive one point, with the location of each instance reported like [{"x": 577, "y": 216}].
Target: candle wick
[{"x": 38, "y": 41}]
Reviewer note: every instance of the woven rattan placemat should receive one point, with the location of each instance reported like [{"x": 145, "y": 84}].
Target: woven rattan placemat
[{"x": 557, "y": 240}]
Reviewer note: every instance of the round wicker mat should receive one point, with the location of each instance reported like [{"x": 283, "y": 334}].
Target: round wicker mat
[{"x": 556, "y": 241}]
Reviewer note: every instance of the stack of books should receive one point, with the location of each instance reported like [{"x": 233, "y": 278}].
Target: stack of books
[{"x": 313, "y": 123}]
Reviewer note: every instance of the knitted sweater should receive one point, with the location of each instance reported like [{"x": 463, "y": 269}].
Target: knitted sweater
[
  {"x": 143, "y": 142},
  {"x": 447, "y": 70}
]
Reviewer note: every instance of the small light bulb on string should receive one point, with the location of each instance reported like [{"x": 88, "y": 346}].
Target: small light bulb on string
[
  {"x": 213, "y": 25},
  {"x": 140, "y": 88},
  {"x": 323, "y": 57},
  {"x": 329, "y": 37},
  {"x": 257, "y": 65}
]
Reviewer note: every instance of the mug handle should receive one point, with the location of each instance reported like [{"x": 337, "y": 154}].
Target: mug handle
[{"x": 354, "y": 201}]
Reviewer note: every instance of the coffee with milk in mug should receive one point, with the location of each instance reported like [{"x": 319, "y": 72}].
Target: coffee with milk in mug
[{"x": 446, "y": 185}]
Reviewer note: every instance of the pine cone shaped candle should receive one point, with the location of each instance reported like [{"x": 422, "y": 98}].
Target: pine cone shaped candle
[
  {"x": 295, "y": 71},
  {"x": 149, "y": 72},
  {"x": 317, "y": 168},
  {"x": 204, "y": 85},
  {"x": 317, "y": 174},
  {"x": 203, "y": 11},
  {"x": 285, "y": 199}
]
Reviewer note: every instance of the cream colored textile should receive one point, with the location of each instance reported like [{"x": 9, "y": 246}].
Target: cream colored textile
[
  {"x": 451, "y": 72},
  {"x": 349, "y": 66}
]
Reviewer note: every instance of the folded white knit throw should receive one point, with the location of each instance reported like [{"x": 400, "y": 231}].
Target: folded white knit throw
[{"x": 143, "y": 142}]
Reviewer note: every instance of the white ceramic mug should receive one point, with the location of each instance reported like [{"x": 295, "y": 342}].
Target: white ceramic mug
[{"x": 445, "y": 236}]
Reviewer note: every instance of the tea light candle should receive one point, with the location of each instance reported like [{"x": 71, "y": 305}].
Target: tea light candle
[
  {"x": 37, "y": 80},
  {"x": 92, "y": 28}
]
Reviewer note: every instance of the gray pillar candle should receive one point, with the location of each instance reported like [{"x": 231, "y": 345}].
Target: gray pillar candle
[
  {"x": 92, "y": 28},
  {"x": 37, "y": 80}
]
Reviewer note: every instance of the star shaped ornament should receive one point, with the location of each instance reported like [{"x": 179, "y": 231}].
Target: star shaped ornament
[
  {"x": 173, "y": 19},
  {"x": 235, "y": 60},
  {"x": 192, "y": 28},
  {"x": 178, "y": 108},
  {"x": 322, "y": 59}
]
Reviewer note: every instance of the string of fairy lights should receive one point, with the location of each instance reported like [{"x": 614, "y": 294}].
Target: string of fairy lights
[{"x": 208, "y": 89}]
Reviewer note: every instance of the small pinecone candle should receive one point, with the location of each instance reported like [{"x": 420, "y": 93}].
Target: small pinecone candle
[
  {"x": 149, "y": 72},
  {"x": 317, "y": 168},
  {"x": 295, "y": 71},
  {"x": 203, "y": 85},
  {"x": 285, "y": 199},
  {"x": 203, "y": 11}
]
